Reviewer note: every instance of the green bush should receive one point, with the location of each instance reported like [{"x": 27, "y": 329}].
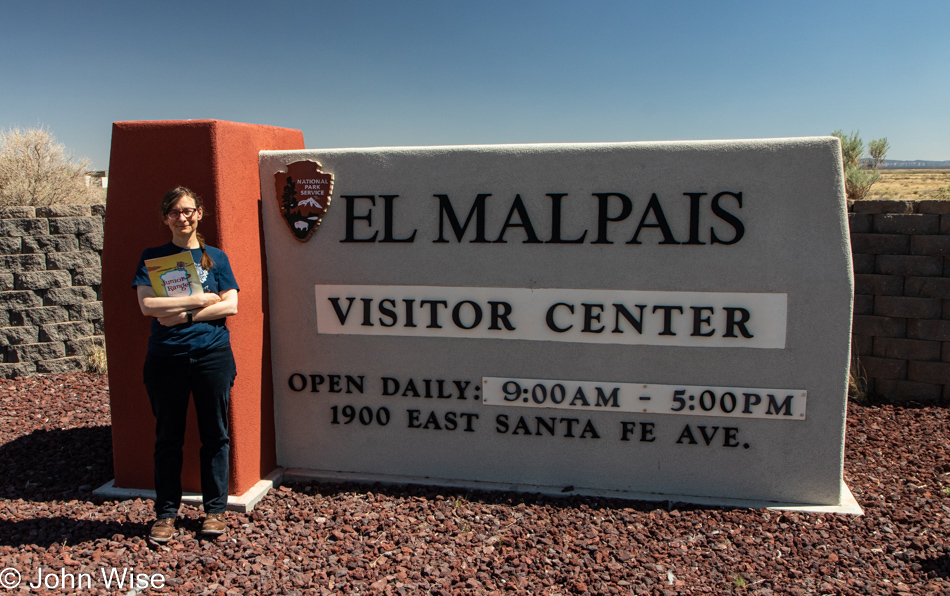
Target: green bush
[{"x": 860, "y": 170}]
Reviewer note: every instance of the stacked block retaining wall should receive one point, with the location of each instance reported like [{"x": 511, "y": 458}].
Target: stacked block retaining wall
[
  {"x": 50, "y": 278},
  {"x": 51, "y": 313},
  {"x": 901, "y": 331}
]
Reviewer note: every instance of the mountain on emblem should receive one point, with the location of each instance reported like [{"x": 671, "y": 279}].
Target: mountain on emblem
[{"x": 303, "y": 196}]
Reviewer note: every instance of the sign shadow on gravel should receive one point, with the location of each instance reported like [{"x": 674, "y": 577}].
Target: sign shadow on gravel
[{"x": 57, "y": 464}]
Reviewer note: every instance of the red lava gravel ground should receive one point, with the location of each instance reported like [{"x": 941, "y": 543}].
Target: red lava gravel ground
[{"x": 55, "y": 448}]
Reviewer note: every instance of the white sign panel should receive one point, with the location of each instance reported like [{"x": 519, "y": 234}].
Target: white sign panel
[
  {"x": 646, "y": 398},
  {"x": 702, "y": 319}
]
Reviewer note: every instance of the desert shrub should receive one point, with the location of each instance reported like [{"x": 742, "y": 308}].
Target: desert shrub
[
  {"x": 860, "y": 170},
  {"x": 96, "y": 361},
  {"x": 36, "y": 171}
]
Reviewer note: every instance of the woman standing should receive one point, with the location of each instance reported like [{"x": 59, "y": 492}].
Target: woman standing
[{"x": 189, "y": 353}]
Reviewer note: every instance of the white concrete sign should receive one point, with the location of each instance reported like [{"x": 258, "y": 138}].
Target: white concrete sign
[{"x": 647, "y": 320}]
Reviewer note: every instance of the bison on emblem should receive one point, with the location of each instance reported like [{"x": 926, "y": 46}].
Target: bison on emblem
[{"x": 303, "y": 196}]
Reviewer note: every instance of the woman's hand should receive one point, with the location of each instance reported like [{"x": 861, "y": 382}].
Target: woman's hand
[
  {"x": 209, "y": 298},
  {"x": 175, "y": 319}
]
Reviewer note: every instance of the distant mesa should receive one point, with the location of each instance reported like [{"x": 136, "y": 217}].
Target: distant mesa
[
  {"x": 309, "y": 203},
  {"x": 917, "y": 164}
]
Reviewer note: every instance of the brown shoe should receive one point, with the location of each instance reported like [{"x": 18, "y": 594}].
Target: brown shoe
[
  {"x": 163, "y": 530},
  {"x": 214, "y": 524}
]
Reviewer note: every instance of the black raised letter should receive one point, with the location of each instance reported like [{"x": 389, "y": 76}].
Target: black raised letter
[
  {"x": 657, "y": 210},
  {"x": 603, "y": 198},
  {"x": 351, "y": 217},
  {"x": 388, "y": 221},
  {"x": 524, "y": 222},
  {"x": 727, "y": 217},
  {"x": 478, "y": 210},
  {"x": 556, "y": 221}
]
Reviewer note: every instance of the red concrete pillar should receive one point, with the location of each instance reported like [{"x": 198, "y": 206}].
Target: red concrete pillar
[{"x": 218, "y": 160}]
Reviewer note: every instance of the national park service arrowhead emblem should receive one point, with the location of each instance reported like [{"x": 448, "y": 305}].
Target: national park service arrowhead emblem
[{"x": 303, "y": 195}]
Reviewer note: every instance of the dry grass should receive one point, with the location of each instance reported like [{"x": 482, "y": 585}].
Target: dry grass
[{"x": 912, "y": 184}]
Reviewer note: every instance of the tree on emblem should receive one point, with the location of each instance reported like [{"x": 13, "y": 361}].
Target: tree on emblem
[{"x": 290, "y": 195}]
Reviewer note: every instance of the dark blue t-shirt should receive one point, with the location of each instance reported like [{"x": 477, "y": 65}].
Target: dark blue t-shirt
[{"x": 198, "y": 336}]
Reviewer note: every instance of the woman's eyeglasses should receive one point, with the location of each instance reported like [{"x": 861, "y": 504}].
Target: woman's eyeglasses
[{"x": 174, "y": 213}]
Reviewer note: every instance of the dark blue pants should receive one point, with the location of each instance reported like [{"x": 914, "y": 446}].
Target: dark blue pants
[{"x": 169, "y": 381}]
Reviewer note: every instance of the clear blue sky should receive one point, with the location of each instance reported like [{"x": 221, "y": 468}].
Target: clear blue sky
[{"x": 353, "y": 73}]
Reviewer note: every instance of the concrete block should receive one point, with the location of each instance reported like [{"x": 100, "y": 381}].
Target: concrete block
[
  {"x": 42, "y": 280},
  {"x": 860, "y": 223},
  {"x": 14, "y": 336},
  {"x": 934, "y": 330},
  {"x": 878, "y": 285},
  {"x": 73, "y": 295},
  {"x": 19, "y": 369},
  {"x": 945, "y": 224},
  {"x": 945, "y": 351},
  {"x": 85, "y": 345},
  {"x": 883, "y": 206},
  {"x": 91, "y": 241},
  {"x": 907, "y": 349},
  {"x": 19, "y": 299},
  {"x": 910, "y": 308},
  {"x": 6, "y": 281},
  {"x": 24, "y": 227},
  {"x": 39, "y": 351},
  {"x": 75, "y": 225},
  {"x": 927, "y": 287},
  {"x": 880, "y": 244},
  {"x": 22, "y": 262},
  {"x": 863, "y": 345},
  {"x": 929, "y": 372},
  {"x": 91, "y": 276},
  {"x": 98, "y": 209},
  {"x": 40, "y": 316},
  {"x": 863, "y": 263},
  {"x": 72, "y": 260},
  {"x": 906, "y": 223},
  {"x": 65, "y": 331},
  {"x": 884, "y": 368},
  {"x": 61, "y": 365},
  {"x": 863, "y": 304},
  {"x": 879, "y": 326},
  {"x": 63, "y": 211},
  {"x": 44, "y": 244},
  {"x": 909, "y": 265},
  {"x": 936, "y": 206},
  {"x": 903, "y": 391},
  {"x": 87, "y": 311},
  {"x": 937, "y": 246},
  {"x": 17, "y": 212},
  {"x": 10, "y": 245}
]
